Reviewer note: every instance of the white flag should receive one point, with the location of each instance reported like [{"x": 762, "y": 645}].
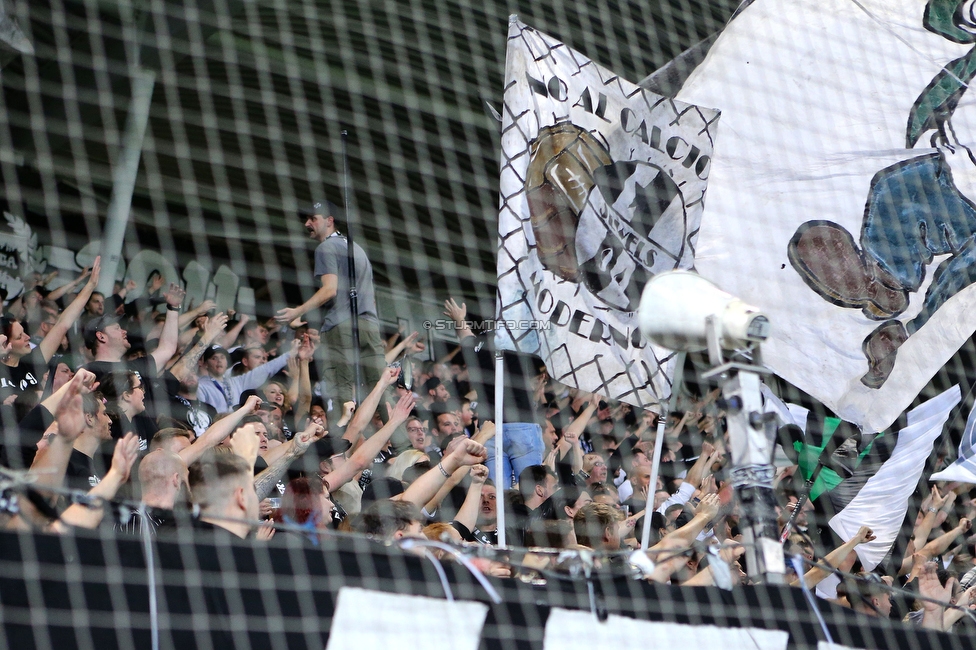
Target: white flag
[
  {"x": 601, "y": 187},
  {"x": 964, "y": 467},
  {"x": 841, "y": 194},
  {"x": 883, "y": 501}
]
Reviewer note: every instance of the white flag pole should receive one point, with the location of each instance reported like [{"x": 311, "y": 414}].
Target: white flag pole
[
  {"x": 679, "y": 366},
  {"x": 500, "y": 482}
]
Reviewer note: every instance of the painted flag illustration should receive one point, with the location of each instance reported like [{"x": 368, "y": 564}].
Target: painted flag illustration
[
  {"x": 841, "y": 194},
  {"x": 602, "y": 186}
]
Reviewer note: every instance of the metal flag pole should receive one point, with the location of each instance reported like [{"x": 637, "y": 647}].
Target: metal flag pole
[
  {"x": 500, "y": 483},
  {"x": 679, "y": 366},
  {"x": 351, "y": 265}
]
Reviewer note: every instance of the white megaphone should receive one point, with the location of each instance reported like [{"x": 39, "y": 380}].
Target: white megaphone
[{"x": 675, "y": 308}]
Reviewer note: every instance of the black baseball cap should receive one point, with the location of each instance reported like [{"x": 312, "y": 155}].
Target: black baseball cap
[
  {"x": 215, "y": 349},
  {"x": 323, "y": 207},
  {"x": 96, "y": 325}
]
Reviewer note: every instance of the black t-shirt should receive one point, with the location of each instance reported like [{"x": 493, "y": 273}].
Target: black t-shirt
[
  {"x": 82, "y": 474},
  {"x": 198, "y": 526},
  {"x": 26, "y": 375},
  {"x": 142, "y": 425},
  {"x": 196, "y": 414},
  {"x": 146, "y": 367}
]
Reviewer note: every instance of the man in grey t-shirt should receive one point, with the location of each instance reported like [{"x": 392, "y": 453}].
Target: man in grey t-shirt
[{"x": 331, "y": 267}]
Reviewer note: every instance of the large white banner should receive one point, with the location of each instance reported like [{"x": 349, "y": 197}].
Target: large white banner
[
  {"x": 964, "y": 467},
  {"x": 601, "y": 187},
  {"x": 840, "y": 199}
]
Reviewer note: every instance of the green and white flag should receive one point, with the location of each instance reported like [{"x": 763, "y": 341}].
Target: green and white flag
[{"x": 881, "y": 504}]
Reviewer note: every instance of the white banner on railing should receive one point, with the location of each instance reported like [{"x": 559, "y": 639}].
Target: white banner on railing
[
  {"x": 376, "y": 619},
  {"x": 569, "y": 630}
]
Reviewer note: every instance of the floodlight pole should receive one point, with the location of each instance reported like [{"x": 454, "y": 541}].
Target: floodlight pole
[
  {"x": 351, "y": 270},
  {"x": 751, "y": 435}
]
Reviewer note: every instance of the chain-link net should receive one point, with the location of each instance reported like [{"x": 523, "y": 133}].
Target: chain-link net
[{"x": 181, "y": 170}]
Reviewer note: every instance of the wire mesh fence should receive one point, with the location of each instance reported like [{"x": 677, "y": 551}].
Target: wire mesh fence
[{"x": 181, "y": 170}]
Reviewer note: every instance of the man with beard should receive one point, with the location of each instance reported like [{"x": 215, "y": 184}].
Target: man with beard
[
  {"x": 331, "y": 269},
  {"x": 186, "y": 407},
  {"x": 109, "y": 342},
  {"x": 536, "y": 485}
]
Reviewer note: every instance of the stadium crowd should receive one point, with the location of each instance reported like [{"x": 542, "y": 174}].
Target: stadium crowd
[{"x": 217, "y": 421}]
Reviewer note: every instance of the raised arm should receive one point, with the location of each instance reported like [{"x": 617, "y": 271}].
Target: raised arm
[
  {"x": 294, "y": 377},
  {"x": 169, "y": 338},
  {"x": 371, "y": 446},
  {"x": 408, "y": 345},
  {"x": 83, "y": 516},
  {"x": 835, "y": 558},
  {"x": 697, "y": 471},
  {"x": 53, "y": 402},
  {"x": 245, "y": 444},
  {"x": 421, "y": 491},
  {"x": 467, "y": 515},
  {"x": 50, "y": 464},
  {"x": 256, "y": 378},
  {"x": 951, "y": 616},
  {"x": 230, "y": 336},
  {"x": 485, "y": 433},
  {"x": 187, "y": 365},
  {"x": 364, "y": 413},
  {"x": 938, "y": 545},
  {"x": 192, "y": 314},
  {"x": 705, "y": 513},
  {"x": 52, "y": 341},
  {"x": 578, "y": 425},
  {"x": 452, "y": 481},
  {"x": 294, "y": 448},
  {"x": 930, "y": 586},
  {"x": 218, "y": 431},
  {"x": 64, "y": 289},
  {"x": 932, "y": 508},
  {"x": 459, "y": 314},
  {"x": 303, "y": 404},
  {"x": 570, "y": 443}
]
